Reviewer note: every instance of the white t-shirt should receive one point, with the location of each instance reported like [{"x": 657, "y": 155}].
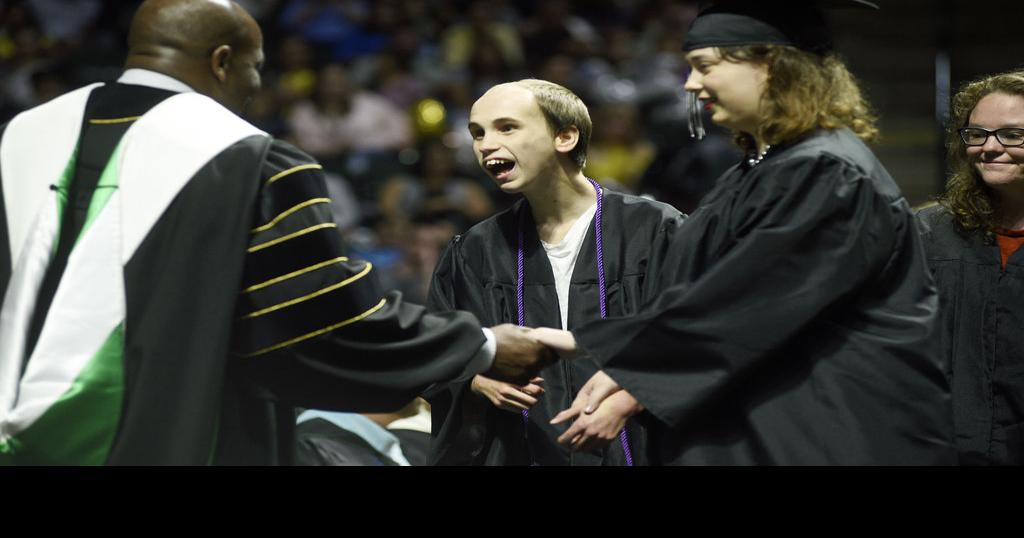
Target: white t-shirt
[{"x": 563, "y": 259}]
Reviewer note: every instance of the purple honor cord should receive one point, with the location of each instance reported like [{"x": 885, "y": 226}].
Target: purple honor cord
[{"x": 521, "y": 310}]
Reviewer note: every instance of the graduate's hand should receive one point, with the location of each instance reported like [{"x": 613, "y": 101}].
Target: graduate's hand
[
  {"x": 507, "y": 396},
  {"x": 596, "y": 430},
  {"x": 561, "y": 341},
  {"x": 519, "y": 356},
  {"x": 590, "y": 396}
]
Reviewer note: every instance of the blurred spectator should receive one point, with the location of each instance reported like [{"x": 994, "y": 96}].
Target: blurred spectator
[
  {"x": 345, "y": 207},
  {"x": 65, "y": 20},
  {"x": 342, "y": 118},
  {"x": 24, "y": 50},
  {"x": 259, "y": 9},
  {"x": 461, "y": 41},
  {"x": 684, "y": 169},
  {"x": 663, "y": 26},
  {"x": 403, "y": 73},
  {"x": 436, "y": 193},
  {"x": 296, "y": 79},
  {"x": 561, "y": 70},
  {"x": 554, "y": 29},
  {"x": 345, "y": 29},
  {"x": 618, "y": 154},
  {"x": 265, "y": 112},
  {"x": 487, "y": 67},
  {"x": 420, "y": 251}
]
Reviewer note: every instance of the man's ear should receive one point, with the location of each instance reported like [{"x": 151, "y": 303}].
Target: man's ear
[
  {"x": 566, "y": 140},
  {"x": 220, "y": 58}
]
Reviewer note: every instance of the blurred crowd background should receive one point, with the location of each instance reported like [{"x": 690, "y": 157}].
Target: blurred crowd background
[{"x": 379, "y": 91}]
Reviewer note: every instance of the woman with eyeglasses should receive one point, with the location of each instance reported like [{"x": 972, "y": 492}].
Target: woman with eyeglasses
[{"x": 973, "y": 239}]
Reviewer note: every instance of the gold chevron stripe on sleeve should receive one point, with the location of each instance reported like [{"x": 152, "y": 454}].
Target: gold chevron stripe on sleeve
[
  {"x": 284, "y": 238},
  {"x": 287, "y": 212},
  {"x": 294, "y": 274},
  {"x": 292, "y": 170},
  {"x": 320, "y": 331},
  {"x": 313, "y": 295},
  {"x": 113, "y": 121}
]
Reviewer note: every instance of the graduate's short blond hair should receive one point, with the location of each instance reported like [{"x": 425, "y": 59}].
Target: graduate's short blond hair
[{"x": 562, "y": 109}]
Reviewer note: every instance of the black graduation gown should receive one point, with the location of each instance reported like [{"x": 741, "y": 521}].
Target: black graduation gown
[
  {"x": 800, "y": 325},
  {"x": 477, "y": 273},
  {"x": 206, "y": 381},
  {"x": 322, "y": 443},
  {"x": 981, "y": 328}
]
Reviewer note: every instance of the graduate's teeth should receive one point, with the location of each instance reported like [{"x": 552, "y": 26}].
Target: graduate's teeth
[{"x": 498, "y": 166}]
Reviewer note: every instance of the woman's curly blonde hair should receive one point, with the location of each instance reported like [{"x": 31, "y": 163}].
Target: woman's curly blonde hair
[
  {"x": 967, "y": 197},
  {"x": 805, "y": 91}
]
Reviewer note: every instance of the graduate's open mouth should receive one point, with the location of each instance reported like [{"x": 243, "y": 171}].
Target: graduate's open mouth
[
  {"x": 499, "y": 168},
  {"x": 708, "y": 104}
]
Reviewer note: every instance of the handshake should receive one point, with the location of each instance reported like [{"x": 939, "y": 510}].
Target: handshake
[
  {"x": 600, "y": 409},
  {"x": 523, "y": 352}
]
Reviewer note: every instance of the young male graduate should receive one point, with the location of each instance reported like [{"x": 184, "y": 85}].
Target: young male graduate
[
  {"x": 801, "y": 328},
  {"x": 173, "y": 284},
  {"x": 568, "y": 252}
]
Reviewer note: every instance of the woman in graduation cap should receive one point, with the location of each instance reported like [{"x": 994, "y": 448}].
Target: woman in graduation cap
[
  {"x": 973, "y": 239},
  {"x": 800, "y": 328}
]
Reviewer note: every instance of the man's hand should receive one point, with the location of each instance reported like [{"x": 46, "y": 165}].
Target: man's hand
[
  {"x": 519, "y": 356},
  {"x": 596, "y": 430},
  {"x": 507, "y": 396}
]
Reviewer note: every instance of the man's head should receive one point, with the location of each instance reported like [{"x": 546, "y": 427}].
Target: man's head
[
  {"x": 525, "y": 129},
  {"x": 214, "y": 46}
]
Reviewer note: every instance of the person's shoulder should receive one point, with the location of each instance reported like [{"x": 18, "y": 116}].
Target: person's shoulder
[
  {"x": 484, "y": 233},
  {"x": 834, "y": 157},
  {"x": 202, "y": 110},
  {"x": 934, "y": 218},
  {"x": 643, "y": 207},
  {"x": 370, "y": 100},
  {"x": 284, "y": 158},
  {"x": 285, "y": 151},
  {"x": 932, "y": 212},
  {"x": 943, "y": 237},
  {"x": 477, "y": 246},
  {"x": 827, "y": 146}
]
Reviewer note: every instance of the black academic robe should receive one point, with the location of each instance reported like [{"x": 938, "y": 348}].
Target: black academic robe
[
  {"x": 477, "y": 273},
  {"x": 981, "y": 330},
  {"x": 241, "y": 306},
  {"x": 800, "y": 328},
  {"x": 322, "y": 443}
]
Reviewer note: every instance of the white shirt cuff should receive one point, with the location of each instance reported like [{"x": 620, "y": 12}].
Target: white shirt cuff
[{"x": 481, "y": 362}]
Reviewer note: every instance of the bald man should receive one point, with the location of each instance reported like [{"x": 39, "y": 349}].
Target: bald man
[{"x": 173, "y": 285}]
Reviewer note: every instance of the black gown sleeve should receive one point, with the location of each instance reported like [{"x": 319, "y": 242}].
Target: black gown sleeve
[
  {"x": 316, "y": 329},
  {"x": 803, "y": 239},
  {"x": 458, "y": 417}
]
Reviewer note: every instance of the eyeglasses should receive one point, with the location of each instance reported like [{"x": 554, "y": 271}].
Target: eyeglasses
[{"x": 1007, "y": 136}]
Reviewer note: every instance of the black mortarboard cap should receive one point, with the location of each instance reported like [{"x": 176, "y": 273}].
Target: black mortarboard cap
[{"x": 798, "y": 23}]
